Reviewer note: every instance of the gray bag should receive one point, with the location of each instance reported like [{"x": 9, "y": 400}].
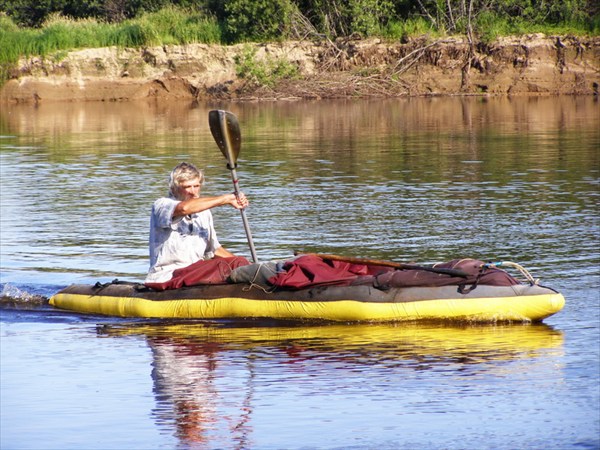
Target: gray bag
[{"x": 256, "y": 274}]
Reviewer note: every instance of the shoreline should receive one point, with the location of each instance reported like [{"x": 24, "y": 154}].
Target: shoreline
[{"x": 531, "y": 65}]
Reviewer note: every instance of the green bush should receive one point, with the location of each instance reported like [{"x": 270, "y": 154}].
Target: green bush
[
  {"x": 265, "y": 72},
  {"x": 257, "y": 20},
  {"x": 368, "y": 17},
  {"x": 488, "y": 26},
  {"x": 339, "y": 18}
]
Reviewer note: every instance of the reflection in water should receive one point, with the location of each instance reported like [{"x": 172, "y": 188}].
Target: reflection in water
[
  {"x": 423, "y": 180},
  {"x": 316, "y": 121},
  {"x": 187, "y": 395},
  {"x": 183, "y": 387},
  {"x": 405, "y": 179},
  {"x": 205, "y": 389}
]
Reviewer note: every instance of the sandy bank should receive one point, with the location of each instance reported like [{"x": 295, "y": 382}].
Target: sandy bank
[{"x": 528, "y": 65}]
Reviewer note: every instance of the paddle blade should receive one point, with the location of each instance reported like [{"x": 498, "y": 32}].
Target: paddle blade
[{"x": 225, "y": 129}]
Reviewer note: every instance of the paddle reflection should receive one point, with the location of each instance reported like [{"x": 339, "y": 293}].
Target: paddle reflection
[{"x": 205, "y": 374}]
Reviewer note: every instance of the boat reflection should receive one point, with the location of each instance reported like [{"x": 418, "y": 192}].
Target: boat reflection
[{"x": 205, "y": 374}]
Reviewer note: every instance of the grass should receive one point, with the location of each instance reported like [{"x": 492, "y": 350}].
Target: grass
[
  {"x": 60, "y": 34},
  {"x": 403, "y": 30},
  {"x": 487, "y": 27}
]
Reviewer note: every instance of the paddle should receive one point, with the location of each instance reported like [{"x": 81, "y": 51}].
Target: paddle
[
  {"x": 225, "y": 129},
  {"x": 376, "y": 262}
]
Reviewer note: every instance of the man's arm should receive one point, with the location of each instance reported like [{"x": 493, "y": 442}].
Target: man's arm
[
  {"x": 221, "y": 252},
  {"x": 195, "y": 205}
]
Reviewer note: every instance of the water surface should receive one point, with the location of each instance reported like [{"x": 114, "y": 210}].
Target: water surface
[{"x": 422, "y": 180}]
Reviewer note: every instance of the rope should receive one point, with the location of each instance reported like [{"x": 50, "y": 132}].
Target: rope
[
  {"x": 519, "y": 267},
  {"x": 253, "y": 283}
]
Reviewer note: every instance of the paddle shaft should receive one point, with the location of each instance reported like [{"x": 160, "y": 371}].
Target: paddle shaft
[
  {"x": 231, "y": 164},
  {"x": 244, "y": 218},
  {"x": 376, "y": 262}
]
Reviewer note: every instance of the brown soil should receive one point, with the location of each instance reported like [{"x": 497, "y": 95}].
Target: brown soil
[{"x": 528, "y": 65}]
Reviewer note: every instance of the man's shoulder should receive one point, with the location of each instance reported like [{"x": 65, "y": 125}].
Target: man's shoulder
[
  {"x": 164, "y": 206},
  {"x": 165, "y": 201}
]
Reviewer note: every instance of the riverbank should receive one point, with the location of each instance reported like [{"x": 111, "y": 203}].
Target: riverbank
[{"x": 528, "y": 65}]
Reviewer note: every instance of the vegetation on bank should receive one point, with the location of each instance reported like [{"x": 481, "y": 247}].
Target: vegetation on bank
[{"x": 50, "y": 28}]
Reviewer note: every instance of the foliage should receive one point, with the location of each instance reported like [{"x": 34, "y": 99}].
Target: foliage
[
  {"x": 490, "y": 26},
  {"x": 368, "y": 16},
  {"x": 29, "y": 13},
  {"x": 336, "y": 18},
  {"x": 266, "y": 20},
  {"x": 167, "y": 26},
  {"x": 463, "y": 16},
  {"x": 251, "y": 20},
  {"x": 263, "y": 72}
]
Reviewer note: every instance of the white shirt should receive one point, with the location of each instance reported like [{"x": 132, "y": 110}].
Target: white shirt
[{"x": 179, "y": 242}]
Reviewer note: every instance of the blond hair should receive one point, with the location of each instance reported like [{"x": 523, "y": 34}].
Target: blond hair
[{"x": 180, "y": 174}]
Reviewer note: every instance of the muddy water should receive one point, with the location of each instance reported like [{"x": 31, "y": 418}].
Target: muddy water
[{"x": 422, "y": 180}]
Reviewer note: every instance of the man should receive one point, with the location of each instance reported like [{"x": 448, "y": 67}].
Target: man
[{"x": 181, "y": 226}]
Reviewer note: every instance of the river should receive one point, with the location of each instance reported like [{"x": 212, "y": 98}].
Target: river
[{"x": 413, "y": 180}]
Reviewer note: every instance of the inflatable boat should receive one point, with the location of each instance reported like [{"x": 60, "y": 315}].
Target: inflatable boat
[{"x": 461, "y": 290}]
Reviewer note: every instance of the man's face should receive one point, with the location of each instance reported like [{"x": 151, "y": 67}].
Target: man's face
[{"x": 189, "y": 189}]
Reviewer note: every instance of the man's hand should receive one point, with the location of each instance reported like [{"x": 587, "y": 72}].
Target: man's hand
[{"x": 241, "y": 201}]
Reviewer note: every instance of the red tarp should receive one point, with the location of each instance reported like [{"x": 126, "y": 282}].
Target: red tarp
[
  {"x": 310, "y": 270},
  {"x": 212, "y": 271},
  {"x": 472, "y": 267}
]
